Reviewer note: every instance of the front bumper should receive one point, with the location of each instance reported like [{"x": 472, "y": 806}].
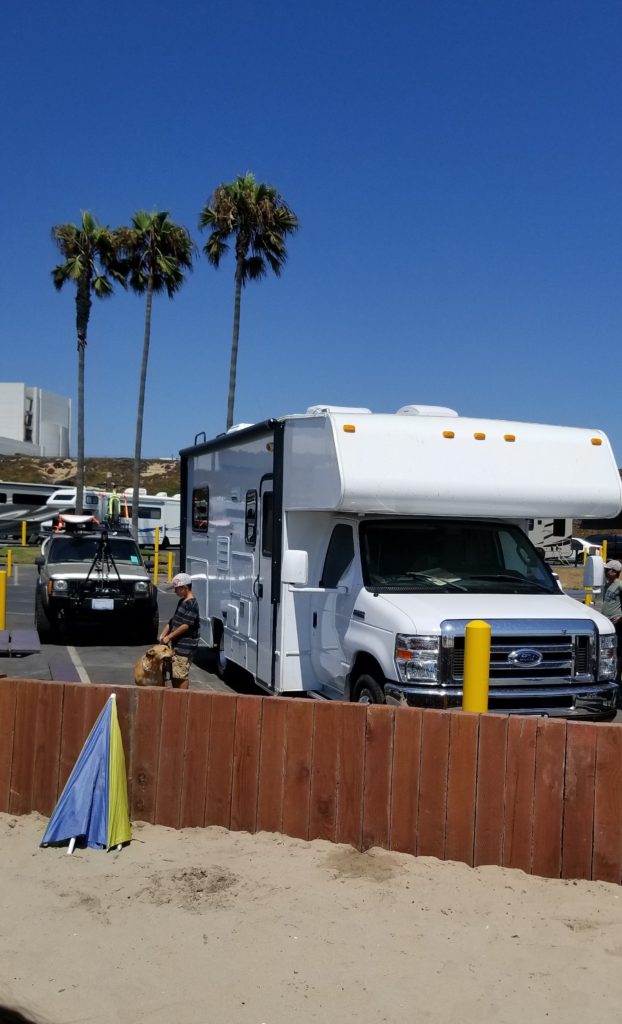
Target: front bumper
[{"x": 580, "y": 701}]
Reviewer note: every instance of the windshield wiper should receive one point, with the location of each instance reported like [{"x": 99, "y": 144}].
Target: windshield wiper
[
  {"x": 437, "y": 581},
  {"x": 520, "y": 581}
]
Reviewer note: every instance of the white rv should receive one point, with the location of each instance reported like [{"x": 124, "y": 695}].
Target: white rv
[
  {"x": 154, "y": 510},
  {"x": 554, "y": 536},
  {"x": 343, "y": 553}
]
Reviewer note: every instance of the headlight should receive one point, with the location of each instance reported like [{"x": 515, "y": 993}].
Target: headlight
[
  {"x": 60, "y": 586},
  {"x": 141, "y": 587},
  {"x": 416, "y": 658},
  {"x": 607, "y": 656}
]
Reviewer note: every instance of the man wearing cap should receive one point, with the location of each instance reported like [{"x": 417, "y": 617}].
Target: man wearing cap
[
  {"x": 182, "y": 631},
  {"x": 612, "y": 602}
]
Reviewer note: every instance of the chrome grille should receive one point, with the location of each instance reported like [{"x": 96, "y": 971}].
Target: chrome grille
[{"x": 562, "y": 655}]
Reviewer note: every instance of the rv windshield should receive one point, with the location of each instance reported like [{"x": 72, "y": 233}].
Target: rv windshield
[{"x": 433, "y": 555}]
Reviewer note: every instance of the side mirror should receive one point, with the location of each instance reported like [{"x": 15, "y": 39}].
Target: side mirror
[
  {"x": 39, "y": 562},
  {"x": 295, "y": 568},
  {"x": 594, "y": 571}
]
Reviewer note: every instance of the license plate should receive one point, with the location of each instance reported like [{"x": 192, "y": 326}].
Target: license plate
[{"x": 102, "y": 604}]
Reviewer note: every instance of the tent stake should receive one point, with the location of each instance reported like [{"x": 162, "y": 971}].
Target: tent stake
[{"x": 72, "y": 843}]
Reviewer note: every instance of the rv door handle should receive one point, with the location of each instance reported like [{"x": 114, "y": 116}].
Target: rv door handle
[
  {"x": 257, "y": 587},
  {"x": 315, "y": 620}
]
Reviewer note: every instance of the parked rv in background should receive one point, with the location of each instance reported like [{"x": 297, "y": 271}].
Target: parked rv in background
[
  {"x": 343, "y": 553},
  {"x": 21, "y": 502},
  {"x": 555, "y": 536},
  {"x": 154, "y": 510}
]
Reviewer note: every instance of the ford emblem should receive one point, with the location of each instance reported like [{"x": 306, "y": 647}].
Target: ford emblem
[{"x": 525, "y": 656}]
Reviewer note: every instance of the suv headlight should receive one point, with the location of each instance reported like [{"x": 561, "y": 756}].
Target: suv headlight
[
  {"x": 416, "y": 658},
  {"x": 60, "y": 586},
  {"x": 607, "y": 656},
  {"x": 141, "y": 587}
]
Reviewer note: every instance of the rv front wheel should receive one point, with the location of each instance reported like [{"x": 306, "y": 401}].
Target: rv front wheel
[
  {"x": 368, "y": 690},
  {"x": 221, "y": 666}
]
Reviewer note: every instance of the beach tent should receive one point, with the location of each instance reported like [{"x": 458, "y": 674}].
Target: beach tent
[{"x": 93, "y": 809}]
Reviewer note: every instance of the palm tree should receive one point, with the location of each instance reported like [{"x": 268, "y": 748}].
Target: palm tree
[
  {"x": 89, "y": 254},
  {"x": 259, "y": 219},
  {"x": 155, "y": 252}
]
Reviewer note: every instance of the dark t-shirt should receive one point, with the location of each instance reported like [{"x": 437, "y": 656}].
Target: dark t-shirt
[{"x": 187, "y": 612}]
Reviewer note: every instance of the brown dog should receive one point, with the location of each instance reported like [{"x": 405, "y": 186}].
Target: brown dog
[{"x": 154, "y": 667}]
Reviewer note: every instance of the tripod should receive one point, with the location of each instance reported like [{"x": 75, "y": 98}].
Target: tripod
[{"x": 102, "y": 565}]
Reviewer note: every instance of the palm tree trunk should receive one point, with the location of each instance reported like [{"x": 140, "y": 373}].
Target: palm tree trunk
[
  {"x": 83, "y": 308},
  {"x": 141, "y": 409},
  {"x": 234, "y": 343}
]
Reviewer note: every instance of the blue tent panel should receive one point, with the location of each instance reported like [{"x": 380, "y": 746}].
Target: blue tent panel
[{"x": 82, "y": 811}]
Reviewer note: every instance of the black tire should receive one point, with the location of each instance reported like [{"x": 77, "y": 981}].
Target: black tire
[
  {"x": 367, "y": 690},
  {"x": 43, "y": 625},
  {"x": 222, "y": 665},
  {"x": 149, "y": 629}
]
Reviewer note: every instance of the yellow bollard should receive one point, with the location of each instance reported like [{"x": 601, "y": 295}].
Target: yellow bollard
[
  {"x": 23, "y": 532},
  {"x": 170, "y": 566},
  {"x": 9, "y": 562},
  {"x": 156, "y": 556},
  {"x": 2, "y": 599},
  {"x": 476, "y": 666},
  {"x": 588, "y": 599},
  {"x": 603, "y": 551}
]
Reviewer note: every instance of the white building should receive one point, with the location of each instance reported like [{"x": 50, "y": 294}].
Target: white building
[{"x": 34, "y": 421}]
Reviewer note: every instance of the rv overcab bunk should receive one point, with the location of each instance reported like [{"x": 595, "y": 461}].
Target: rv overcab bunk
[{"x": 343, "y": 553}]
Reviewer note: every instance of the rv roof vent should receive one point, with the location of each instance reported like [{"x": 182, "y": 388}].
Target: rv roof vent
[
  {"x": 425, "y": 410},
  {"x": 178, "y": 496},
  {"x": 238, "y": 426},
  {"x": 318, "y": 410},
  {"x": 130, "y": 490},
  {"x": 161, "y": 494}
]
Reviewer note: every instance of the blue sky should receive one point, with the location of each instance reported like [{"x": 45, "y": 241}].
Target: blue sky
[{"x": 455, "y": 166}]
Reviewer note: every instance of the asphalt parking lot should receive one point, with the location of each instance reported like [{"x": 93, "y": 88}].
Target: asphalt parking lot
[{"x": 95, "y": 659}]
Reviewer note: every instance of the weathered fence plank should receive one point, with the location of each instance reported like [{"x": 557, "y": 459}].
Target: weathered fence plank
[
  {"x": 405, "y": 779},
  {"x": 433, "y": 784},
  {"x": 247, "y": 743},
  {"x": 461, "y": 787},
  {"x": 490, "y": 795}
]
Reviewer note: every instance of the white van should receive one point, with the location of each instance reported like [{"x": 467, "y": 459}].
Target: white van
[{"x": 343, "y": 553}]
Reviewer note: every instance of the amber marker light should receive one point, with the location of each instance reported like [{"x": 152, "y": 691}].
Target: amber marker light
[
  {"x": 597, "y": 440},
  {"x": 479, "y": 436},
  {"x": 448, "y": 433},
  {"x": 403, "y": 653},
  {"x": 349, "y": 428},
  {"x": 509, "y": 437}
]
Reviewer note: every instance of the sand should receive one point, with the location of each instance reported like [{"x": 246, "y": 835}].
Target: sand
[{"x": 203, "y": 926}]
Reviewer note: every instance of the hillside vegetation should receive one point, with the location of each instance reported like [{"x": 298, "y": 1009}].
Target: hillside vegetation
[{"x": 155, "y": 475}]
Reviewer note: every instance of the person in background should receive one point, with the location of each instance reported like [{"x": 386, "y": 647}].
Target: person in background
[
  {"x": 182, "y": 631},
  {"x": 612, "y": 602}
]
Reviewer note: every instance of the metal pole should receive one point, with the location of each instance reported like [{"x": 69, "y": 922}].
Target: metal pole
[
  {"x": 156, "y": 556},
  {"x": 2, "y": 599},
  {"x": 170, "y": 567},
  {"x": 9, "y": 562},
  {"x": 476, "y": 666}
]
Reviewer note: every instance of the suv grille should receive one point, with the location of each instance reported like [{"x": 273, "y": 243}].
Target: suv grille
[{"x": 101, "y": 588}]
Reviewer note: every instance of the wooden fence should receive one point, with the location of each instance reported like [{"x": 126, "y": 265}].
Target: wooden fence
[{"x": 532, "y": 793}]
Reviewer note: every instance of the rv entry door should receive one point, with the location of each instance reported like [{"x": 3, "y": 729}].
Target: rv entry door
[{"x": 263, "y": 585}]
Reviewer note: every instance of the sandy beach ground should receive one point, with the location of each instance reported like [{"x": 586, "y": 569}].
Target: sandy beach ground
[{"x": 203, "y": 926}]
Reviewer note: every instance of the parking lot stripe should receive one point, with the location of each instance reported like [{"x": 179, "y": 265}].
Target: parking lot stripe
[{"x": 80, "y": 669}]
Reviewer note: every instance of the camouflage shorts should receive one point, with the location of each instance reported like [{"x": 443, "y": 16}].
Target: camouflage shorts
[{"x": 181, "y": 667}]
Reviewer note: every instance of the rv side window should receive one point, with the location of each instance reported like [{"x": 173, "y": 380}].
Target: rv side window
[
  {"x": 559, "y": 527},
  {"x": 338, "y": 557},
  {"x": 250, "y": 523},
  {"x": 3, "y": 498},
  {"x": 145, "y": 512},
  {"x": 266, "y": 523},
  {"x": 200, "y": 509}
]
